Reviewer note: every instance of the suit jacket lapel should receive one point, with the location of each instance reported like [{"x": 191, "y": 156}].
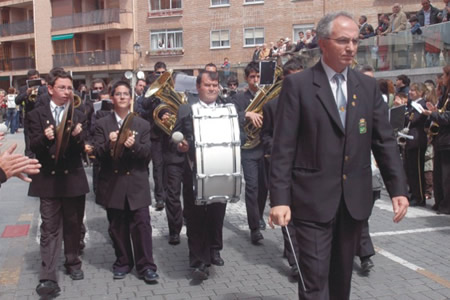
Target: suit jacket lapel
[
  {"x": 353, "y": 100},
  {"x": 48, "y": 116},
  {"x": 325, "y": 94}
]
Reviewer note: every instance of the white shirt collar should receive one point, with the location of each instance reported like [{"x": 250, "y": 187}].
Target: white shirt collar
[
  {"x": 53, "y": 105},
  {"x": 330, "y": 72},
  {"x": 203, "y": 104},
  {"x": 118, "y": 118}
]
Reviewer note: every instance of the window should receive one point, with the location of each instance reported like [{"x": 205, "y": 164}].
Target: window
[
  {"x": 297, "y": 28},
  {"x": 166, "y": 39},
  {"x": 164, "y": 4},
  {"x": 253, "y": 1},
  {"x": 253, "y": 36},
  {"x": 220, "y": 39},
  {"x": 220, "y": 2}
]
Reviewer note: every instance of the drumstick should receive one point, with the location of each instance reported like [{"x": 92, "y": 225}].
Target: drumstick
[{"x": 295, "y": 258}]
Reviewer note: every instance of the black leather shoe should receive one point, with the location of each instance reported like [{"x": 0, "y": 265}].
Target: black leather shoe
[
  {"x": 159, "y": 205},
  {"x": 76, "y": 274},
  {"x": 119, "y": 275},
  {"x": 150, "y": 276},
  {"x": 216, "y": 259},
  {"x": 366, "y": 265},
  {"x": 48, "y": 288},
  {"x": 174, "y": 239},
  {"x": 200, "y": 273},
  {"x": 262, "y": 224},
  {"x": 256, "y": 236},
  {"x": 416, "y": 203}
]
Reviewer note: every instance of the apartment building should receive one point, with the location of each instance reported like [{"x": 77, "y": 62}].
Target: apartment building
[{"x": 105, "y": 38}]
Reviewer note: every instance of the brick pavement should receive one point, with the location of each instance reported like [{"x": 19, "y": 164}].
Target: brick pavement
[{"x": 412, "y": 263}]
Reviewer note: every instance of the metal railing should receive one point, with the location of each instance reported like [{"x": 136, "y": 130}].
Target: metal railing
[
  {"x": 88, "y": 58},
  {"x": 95, "y": 17},
  {"x": 18, "y": 63},
  {"x": 17, "y": 28}
]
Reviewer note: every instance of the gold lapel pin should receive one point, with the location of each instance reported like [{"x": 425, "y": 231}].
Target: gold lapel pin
[
  {"x": 342, "y": 108},
  {"x": 353, "y": 103},
  {"x": 354, "y": 96}
]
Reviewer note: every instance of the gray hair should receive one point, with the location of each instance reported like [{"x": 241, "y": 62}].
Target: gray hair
[{"x": 324, "y": 25}]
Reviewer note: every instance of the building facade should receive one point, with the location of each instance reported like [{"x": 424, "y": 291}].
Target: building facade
[{"x": 98, "y": 38}]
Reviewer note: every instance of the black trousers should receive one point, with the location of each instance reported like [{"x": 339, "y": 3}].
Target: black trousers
[
  {"x": 326, "y": 255},
  {"x": 290, "y": 229},
  {"x": 414, "y": 168},
  {"x": 441, "y": 180},
  {"x": 204, "y": 224},
  {"x": 158, "y": 170},
  {"x": 255, "y": 188},
  {"x": 61, "y": 221},
  {"x": 173, "y": 174},
  {"x": 131, "y": 232}
]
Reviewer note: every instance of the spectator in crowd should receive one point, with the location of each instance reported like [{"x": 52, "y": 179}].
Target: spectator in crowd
[
  {"x": 445, "y": 14},
  {"x": 402, "y": 84},
  {"x": 308, "y": 37},
  {"x": 226, "y": 66},
  {"x": 255, "y": 56},
  {"x": 416, "y": 55},
  {"x": 3, "y": 106},
  {"x": 362, "y": 25},
  {"x": 301, "y": 41},
  {"x": 398, "y": 20},
  {"x": 400, "y": 99},
  {"x": 264, "y": 53},
  {"x": 429, "y": 14},
  {"x": 11, "y": 120},
  {"x": 383, "y": 24},
  {"x": 232, "y": 85},
  {"x": 369, "y": 32},
  {"x": 314, "y": 41}
]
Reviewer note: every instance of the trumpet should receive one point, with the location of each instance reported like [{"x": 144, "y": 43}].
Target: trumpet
[
  {"x": 434, "y": 127},
  {"x": 33, "y": 95}
]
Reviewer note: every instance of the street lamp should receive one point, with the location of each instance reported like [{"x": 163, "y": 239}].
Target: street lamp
[{"x": 137, "y": 48}]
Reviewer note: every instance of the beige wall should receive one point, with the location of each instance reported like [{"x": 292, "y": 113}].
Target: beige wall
[{"x": 43, "y": 44}]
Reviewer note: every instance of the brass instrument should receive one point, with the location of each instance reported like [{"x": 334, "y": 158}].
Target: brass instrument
[
  {"x": 124, "y": 132},
  {"x": 33, "y": 95},
  {"x": 163, "y": 88},
  {"x": 263, "y": 96},
  {"x": 402, "y": 135},
  {"x": 434, "y": 127},
  {"x": 64, "y": 130},
  {"x": 76, "y": 101}
]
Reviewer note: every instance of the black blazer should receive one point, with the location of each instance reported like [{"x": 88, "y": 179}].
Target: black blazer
[
  {"x": 124, "y": 180},
  {"x": 316, "y": 162},
  {"x": 269, "y": 114},
  {"x": 67, "y": 177},
  {"x": 442, "y": 140}
]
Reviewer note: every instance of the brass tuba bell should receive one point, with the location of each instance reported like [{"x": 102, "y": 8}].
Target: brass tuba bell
[
  {"x": 263, "y": 96},
  {"x": 164, "y": 90},
  {"x": 33, "y": 95}
]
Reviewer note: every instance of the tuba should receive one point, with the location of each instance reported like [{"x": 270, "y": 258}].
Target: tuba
[
  {"x": 263, "y": 96},
  {"x": 163, "y": 88},
  {"x": 33, "y": 95},
  {"x": 434, "y": 127}
]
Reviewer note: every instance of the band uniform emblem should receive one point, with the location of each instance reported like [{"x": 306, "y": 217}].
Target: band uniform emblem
[{"x": 362, "y": 126}]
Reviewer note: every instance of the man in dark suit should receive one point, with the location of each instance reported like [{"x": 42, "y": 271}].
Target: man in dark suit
[
  {"x": 252, "y": 159},
  {"x": 61, "y": 185},
  {"x": 328, "y": 120},
  {"x": 203, "y": 222},
  {"x": 123, "y": 186}
]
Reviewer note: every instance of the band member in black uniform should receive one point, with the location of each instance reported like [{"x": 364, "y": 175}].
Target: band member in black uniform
[
  {"x": 128, "y": 198},
  {"x": 415, "y": 149},
  {"x": 441, "y": 144},
  {"x": 252, "y": 159},
  {"x": 24, "y": 99},
  {"x": 204, "y": 222},
  {"x": 157, "y": 135},
  {"x": 61, "y": 185},
  {"x": 269, "y": 112}
]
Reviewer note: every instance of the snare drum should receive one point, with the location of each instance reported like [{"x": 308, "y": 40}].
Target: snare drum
[{"x": 218, "y": 154}]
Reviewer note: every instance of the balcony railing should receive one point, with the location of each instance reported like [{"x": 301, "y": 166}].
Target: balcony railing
[
  {"x": 17, "y": 28},
  {"x": 15, "y": 64},
  {"x": 88, "y": 58},
  {"x": 95, "y": 17}
]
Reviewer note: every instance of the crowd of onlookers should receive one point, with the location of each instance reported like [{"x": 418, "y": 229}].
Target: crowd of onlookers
[{"x": 10, "y": 113}]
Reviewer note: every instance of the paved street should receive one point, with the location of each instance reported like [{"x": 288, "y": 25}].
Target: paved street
[{"x": 412, "y": 261}]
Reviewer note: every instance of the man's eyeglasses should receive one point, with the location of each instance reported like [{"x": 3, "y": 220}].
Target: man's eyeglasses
[
  {"x": 159, "y": 73},
  {"x": 62, "y": 88},
  {"x": 345, "y": 41},
  {"x": 232, "y": 84},
  {"x": 124, "y": 94},
  {"x": 98, "y": 88}
]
